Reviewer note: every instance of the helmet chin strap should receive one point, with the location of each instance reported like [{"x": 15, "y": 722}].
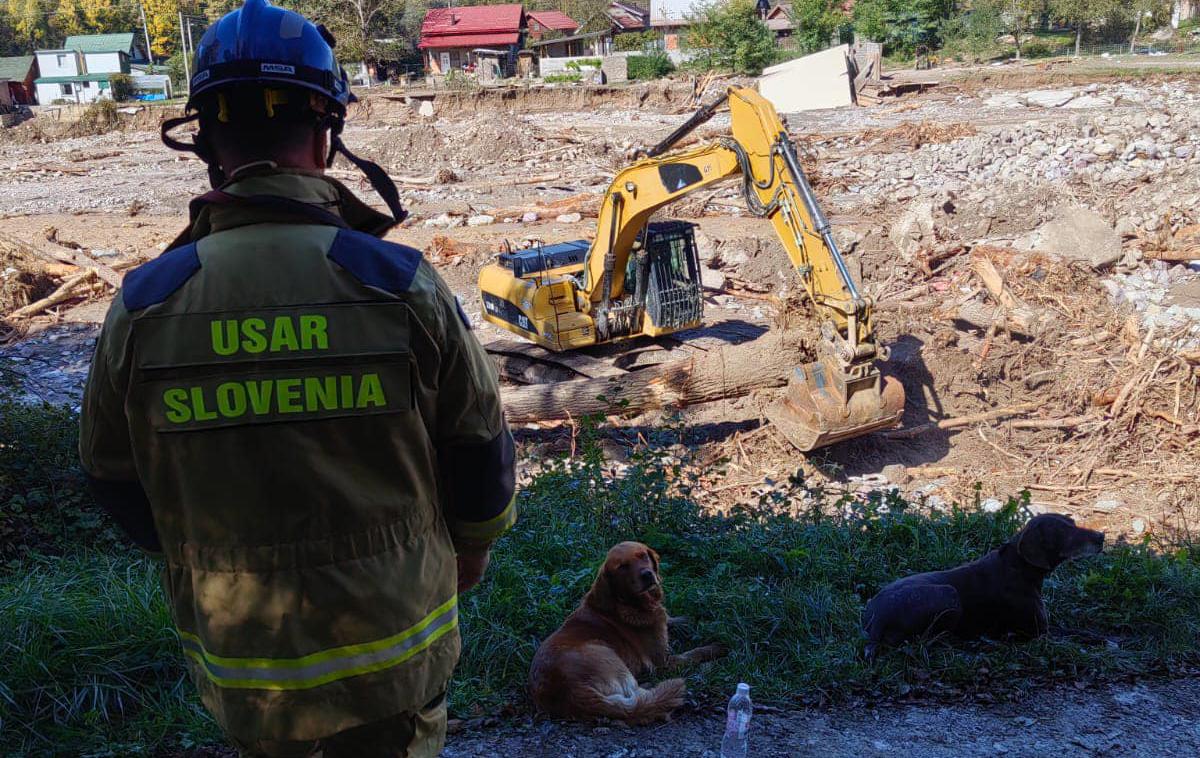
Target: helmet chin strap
[{"x": 380, "y": 181}]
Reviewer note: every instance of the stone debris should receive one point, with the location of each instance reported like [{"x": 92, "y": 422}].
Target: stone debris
[{"x": 1077, "y": 234}]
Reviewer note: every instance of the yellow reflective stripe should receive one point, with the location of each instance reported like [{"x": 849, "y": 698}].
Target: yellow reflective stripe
[
  {"x": 490, "y": 529},
  {"x": 325, "y": 666}
]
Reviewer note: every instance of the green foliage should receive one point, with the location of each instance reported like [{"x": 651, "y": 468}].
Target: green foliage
[
  {"x": 90, "y": 659},
  {"x": 902, "y": 25},
  {"x": 651, "y": 66},
  {"x": 43, "y": 503},
  {"x": 122, "y": 87},
  {"x": 177, "y": 72},
  {"x": 972, "y": 33},
  {"x": 636, "y": 41},
  {"x": 729, "y": 36},
  {"x": 562, "y": 78},
  {"x": 816, "y": 23},
  {"x": 583, "y": 63}
]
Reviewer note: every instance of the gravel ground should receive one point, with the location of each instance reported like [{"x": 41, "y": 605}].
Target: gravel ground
[{"x": 1159, "y": 719}]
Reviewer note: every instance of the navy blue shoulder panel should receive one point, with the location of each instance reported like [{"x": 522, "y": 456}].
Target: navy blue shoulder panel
[
  {"x": 375, "y": 263},
  {"x": 153, "y": 282}
]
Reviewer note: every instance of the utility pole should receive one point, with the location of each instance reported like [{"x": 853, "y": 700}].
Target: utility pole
[
  {"x": 191, "y": 45},
  {"x": 187, "y": 67},
  {"x": 146, "y": 31}
]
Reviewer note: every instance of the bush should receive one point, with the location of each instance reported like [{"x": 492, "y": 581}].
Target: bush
[
  {"x": 636, "y": 41},
  {"x": 583, "y": 63},
  {"x": 122, "y": 87},
  {"x": 653, "y": 66},
  {"x": 729, "y": 36}
]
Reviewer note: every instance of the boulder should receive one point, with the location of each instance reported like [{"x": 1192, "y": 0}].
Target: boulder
[
  {"x": 1079, "y": 234},
  {"x": 913, "y": 228}
]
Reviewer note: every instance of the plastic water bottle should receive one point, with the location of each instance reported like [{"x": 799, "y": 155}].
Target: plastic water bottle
[{"x": 737, "y": 724}]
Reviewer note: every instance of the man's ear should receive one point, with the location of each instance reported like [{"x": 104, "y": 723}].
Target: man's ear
[
  {"x": 1031, "y": 546},
  {"x": 600, "y": 597}
]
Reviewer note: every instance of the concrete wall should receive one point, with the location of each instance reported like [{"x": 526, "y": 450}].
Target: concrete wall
[
  {"x": 559, "y": 65},
  {"x": 820, "y": 80},
  {"x": 58, "y": 64}
]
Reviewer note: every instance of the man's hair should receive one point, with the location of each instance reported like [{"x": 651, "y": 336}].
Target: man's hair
[{"x": 261, "y": 123}]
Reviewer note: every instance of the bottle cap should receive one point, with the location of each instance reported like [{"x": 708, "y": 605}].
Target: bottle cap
[{"x": 743, "y": 688}]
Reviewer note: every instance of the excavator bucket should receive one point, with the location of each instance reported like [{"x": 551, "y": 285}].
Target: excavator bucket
[{"x": 822, "y": 406}]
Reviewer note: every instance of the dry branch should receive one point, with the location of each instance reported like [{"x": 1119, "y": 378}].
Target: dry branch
[
  {"x": 961, "y": 421},
  {"x": 64, "y": 292},
  {"x": 73, "y": 257}
]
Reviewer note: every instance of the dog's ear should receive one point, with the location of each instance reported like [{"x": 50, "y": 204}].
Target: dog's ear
[
  {"x": 653, "y": 558},
  {"x": 601, "y": 597},
  {"x": 1031, "y": 545}
]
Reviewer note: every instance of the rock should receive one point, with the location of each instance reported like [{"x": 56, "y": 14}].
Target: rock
[
  {"x": 713, "y": 280},
  {"x": 915, "y": 226},
  {"x": 1090, "y": 101},
  {"x": 425, "y": 109},
  {"x": 569, "y": 218},
  {"x": 480, "y": 220},
  {"x": 1049, "y": 98},
  {"x": 991, "y": 505},
  {"x": 529, "y": 217},
  {"x": 445, "y": 176},
  {"x": 1004, "y": 101},
  {"x": 1079, "y": 234},
  {"x": 1138, "y": 526},
  {"x": 1106, "y": 505},
  {"x": 1185, "y": 152},
  {"x": 896, "y": 473}
]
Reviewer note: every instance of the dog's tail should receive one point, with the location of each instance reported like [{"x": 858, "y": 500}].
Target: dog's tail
[{"x": 638, "y": 705}]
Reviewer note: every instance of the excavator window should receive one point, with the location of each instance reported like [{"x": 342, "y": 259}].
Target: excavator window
[{"x": 672, "y": 294}]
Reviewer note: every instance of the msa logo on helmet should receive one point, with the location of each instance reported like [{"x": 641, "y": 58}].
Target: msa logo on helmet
[
  {"x": 278, "y": 68},
  {"x": 201, "y": 77}
]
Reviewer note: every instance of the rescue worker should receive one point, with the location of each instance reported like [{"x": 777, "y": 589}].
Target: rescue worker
[{"x": 297, "y": 416}]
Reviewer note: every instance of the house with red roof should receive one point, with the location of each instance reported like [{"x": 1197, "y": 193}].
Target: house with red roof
[
  {"x": 453, "y": 39},
  {"x": 552, "y": 23}
]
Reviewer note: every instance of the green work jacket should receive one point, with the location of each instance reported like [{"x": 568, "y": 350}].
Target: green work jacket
[{"x": 311, "y": 426}]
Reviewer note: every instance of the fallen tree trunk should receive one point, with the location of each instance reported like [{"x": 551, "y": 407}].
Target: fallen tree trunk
[
  {"x": 715, "y": 374},
  {"x": 60, "y": 254}
]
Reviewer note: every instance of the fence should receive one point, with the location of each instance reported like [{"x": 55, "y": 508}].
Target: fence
[{"x": 1109, "y": 49}]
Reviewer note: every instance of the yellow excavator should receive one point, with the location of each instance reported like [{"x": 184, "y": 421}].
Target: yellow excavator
[{"x": 642, "y": 279}]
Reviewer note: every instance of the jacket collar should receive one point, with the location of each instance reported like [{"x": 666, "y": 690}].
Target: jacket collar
[{"x": 220, "y": 210}]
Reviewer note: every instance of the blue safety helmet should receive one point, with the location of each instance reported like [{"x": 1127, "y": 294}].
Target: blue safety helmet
[{"x": 260, "y": 43}]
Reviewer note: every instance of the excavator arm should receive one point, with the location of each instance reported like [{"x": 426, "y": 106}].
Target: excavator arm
[{"x": 838, "y": 396}]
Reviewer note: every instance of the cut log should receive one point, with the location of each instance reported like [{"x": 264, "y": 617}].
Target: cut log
[
  {"x": 730, "y": 371},
  {"x": 61, "y": 255}
]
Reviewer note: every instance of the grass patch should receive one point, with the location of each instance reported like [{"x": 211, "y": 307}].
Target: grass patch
[{"x": 89, "y": 659}]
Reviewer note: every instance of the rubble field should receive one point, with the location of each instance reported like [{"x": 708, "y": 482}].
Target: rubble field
[{"x": 1029, "y": 244}]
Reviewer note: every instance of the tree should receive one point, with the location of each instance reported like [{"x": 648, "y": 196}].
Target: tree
[
  {"x": 816, "y": 22},
  {"x": 29, "y": 23},
  {"x": 1141, "y": 10},
  {"x": 730, "y": 36},
  {"x": 1018, "y": 17},
  {"x": 902, "y": 25},
  {"x": 1080, "y": 13},
  {"x": 162, "y": 19},
  {"x": 974, "y": 30},
  {"x": 67, "y": 18},
  {"x": 103, "y": 16}
]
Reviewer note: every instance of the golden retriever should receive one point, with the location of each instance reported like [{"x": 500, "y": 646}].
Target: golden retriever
[{"x": 589, "y": 667}]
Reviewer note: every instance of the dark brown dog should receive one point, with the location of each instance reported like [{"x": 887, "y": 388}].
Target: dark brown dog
[
  {"x": 999, "y": 594},
  {"x": 589, "y": 667}
]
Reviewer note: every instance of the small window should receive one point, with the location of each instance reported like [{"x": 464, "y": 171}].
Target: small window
[
  {"x": 67, "y": 90},
  {"x": 62, "y": 60}
]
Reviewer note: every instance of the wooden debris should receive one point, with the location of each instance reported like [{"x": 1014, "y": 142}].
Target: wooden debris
[
  {"x": 60, "y": 255},
  {"x": 65, "y": 292},
  {"x": 961, "y": 421}
]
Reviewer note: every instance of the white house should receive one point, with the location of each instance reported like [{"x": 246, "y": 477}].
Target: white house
[{"x": 79, "y": 72}]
